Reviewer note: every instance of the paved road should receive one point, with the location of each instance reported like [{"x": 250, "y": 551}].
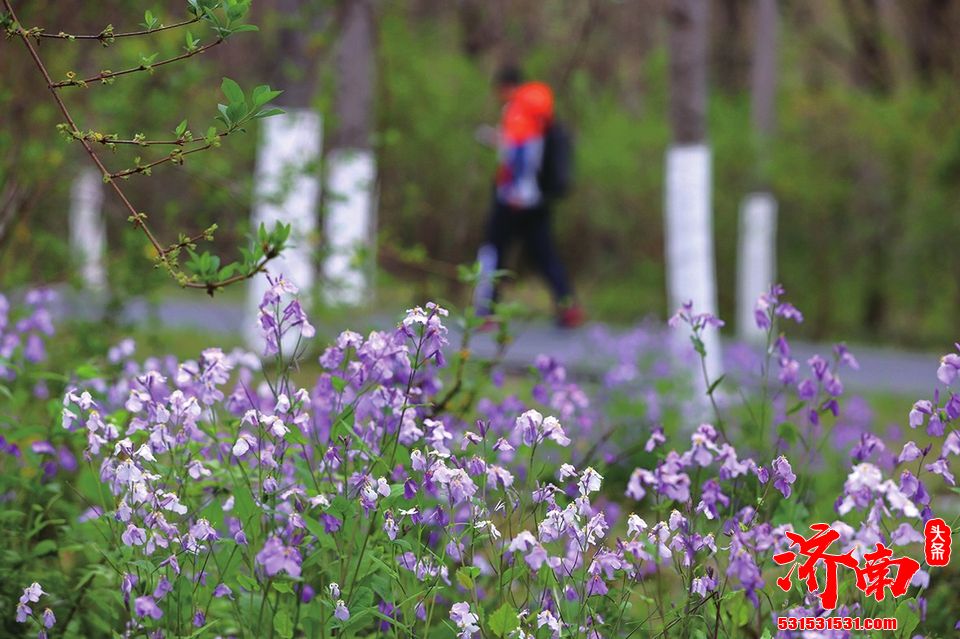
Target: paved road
[{"x": 909, "y": 373}]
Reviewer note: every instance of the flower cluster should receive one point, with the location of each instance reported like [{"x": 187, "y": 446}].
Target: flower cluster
[
  {"x": 236, "y": 499},
  {"x": 31, "y": 595},
  {"x": 22, "y": 336}
]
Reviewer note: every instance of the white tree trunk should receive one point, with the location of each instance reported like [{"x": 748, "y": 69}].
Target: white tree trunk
[
  {"x": 757, "y": 245},
  {"x": 88, "y": 232},
  {"x": 287, "y": 189},
  {"x": 756, "y": 258},
  {"x": 689, "y": 240},
  {"x": 348, "y": 225}
]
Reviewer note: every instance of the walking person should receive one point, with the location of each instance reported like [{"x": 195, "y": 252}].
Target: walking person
[{"x": 533, "y": 169}]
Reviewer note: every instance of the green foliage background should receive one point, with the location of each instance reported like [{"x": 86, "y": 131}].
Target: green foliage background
[{"x": 867, "y": 181}]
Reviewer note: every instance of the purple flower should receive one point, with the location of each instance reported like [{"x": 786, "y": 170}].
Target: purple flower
[
  {"x": 905, "y": 534},
  {"x": 32, "y": 593},
  {"x": 134, "y": 536},
  {"x": 163, "y": 587},
  {"x": 710, "y": 496},
  {"x": 942, "y": 468},
  {"x": 869, "y": 443},
  {"x": 783, "y": 477},
  {"x": 146, "y": 607},
  {"x": 951, "y": 445},
  {"x": 703, "y": 585},
  {"x": 387, "y": 610},
  {"x": 276, "y": 557},
  {"x": 341, "y": 612},
  {"x": 746, "y": 572},
  {"x": 656, "y": 438},
  {"x": 806, "y": 390},
  {"x": 596, "y": 587},
  {"x": 199, "y": 618},
  {"x": 466, "y": 621},
  {"x": 909, "y": 453},
  {"x": 919, "y": 410},
  {"x": 949, "y": 367},
  {"x": 48, "y": 619}
]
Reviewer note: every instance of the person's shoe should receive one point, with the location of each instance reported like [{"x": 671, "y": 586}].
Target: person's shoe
[{"x": 572, "y": 316}]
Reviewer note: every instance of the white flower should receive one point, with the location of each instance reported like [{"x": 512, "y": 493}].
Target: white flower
[
  {"x": 241, "y": 447},
  {"x": 566, "y": 470},
  {"x": 589, "y": 482},
  {"x": 635, "y": 525},
  {"x": 546, "y": 618},
  {"x": 466, "y": 621}
]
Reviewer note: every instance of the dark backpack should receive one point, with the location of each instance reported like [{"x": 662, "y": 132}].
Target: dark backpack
[{"x": 556, "y": 171}]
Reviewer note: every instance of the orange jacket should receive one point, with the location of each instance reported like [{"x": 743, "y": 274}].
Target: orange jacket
[{"x": 528, "y": 112}]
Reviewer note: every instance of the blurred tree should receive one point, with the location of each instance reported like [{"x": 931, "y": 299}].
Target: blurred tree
[
  {"x": 480, "y": 31},
  {"x": 933, "y": 30},
  {"x": 349, "y": 216},
  {"x": 691, "y": 274},
  {"x": 730, "y": 57},
  {"x": 756, "y": 263},
  {"x": 287, "y": 177},
  {"x": 870, "y": 63}
]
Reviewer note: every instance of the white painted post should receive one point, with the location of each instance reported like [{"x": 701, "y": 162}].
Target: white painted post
[
  {"x": 348, "y": 225},
  {"x": 287, "y": 189},
  {"x": 756, "y": 258},
  {"x": 689, "y": 240},
  {"x": 88, "y": 232}
]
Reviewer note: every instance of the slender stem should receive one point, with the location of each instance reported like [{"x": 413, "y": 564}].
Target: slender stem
[
  {"x": 103, "y": 35},
  {"x": 146, "y": 167},
  {"x": 107, "y": 75}
]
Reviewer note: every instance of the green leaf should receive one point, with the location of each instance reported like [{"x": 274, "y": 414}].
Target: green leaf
[
  {"x": 263, "y": 94},
  {"x": 796, "y": 407},
  {"x": 714, "y": 385},
  {"x": 788, "y": 432},
  {"x": 268, "y": 113},
  {"x": 283, "y": 586},
  {"x": 224, "y": 115},
  {"x": 466, "y": 575},
  {"x": 907, "y": 618},
  {"x": 233, "y": 91},
  {"x": 338, "y": 383},
  {"x": 283, "y": 624},
  {"x": 698, "y": 346},
  {"x": 45, "y": 547},
  {"x": 247, "y": 582},
  {"x": 87, "y": 371},
  {"x": 504, "y": 621}
]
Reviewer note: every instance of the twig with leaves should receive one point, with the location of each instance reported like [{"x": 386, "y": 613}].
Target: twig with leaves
[{"x": 224, "y": 18}]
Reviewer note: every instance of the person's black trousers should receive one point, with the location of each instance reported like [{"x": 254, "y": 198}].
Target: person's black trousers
[{"x": 532, "y": 226}]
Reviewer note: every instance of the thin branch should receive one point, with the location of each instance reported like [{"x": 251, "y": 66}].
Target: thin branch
[
  {"x": 173, "y": 157},
  {"x": 103, "y": 76},
  {"x": 24, "y": 36},
  {"x": 108, "y": 141},
  {"x": 137, "y": 218},
  {"x": 106, "y": 35}
]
